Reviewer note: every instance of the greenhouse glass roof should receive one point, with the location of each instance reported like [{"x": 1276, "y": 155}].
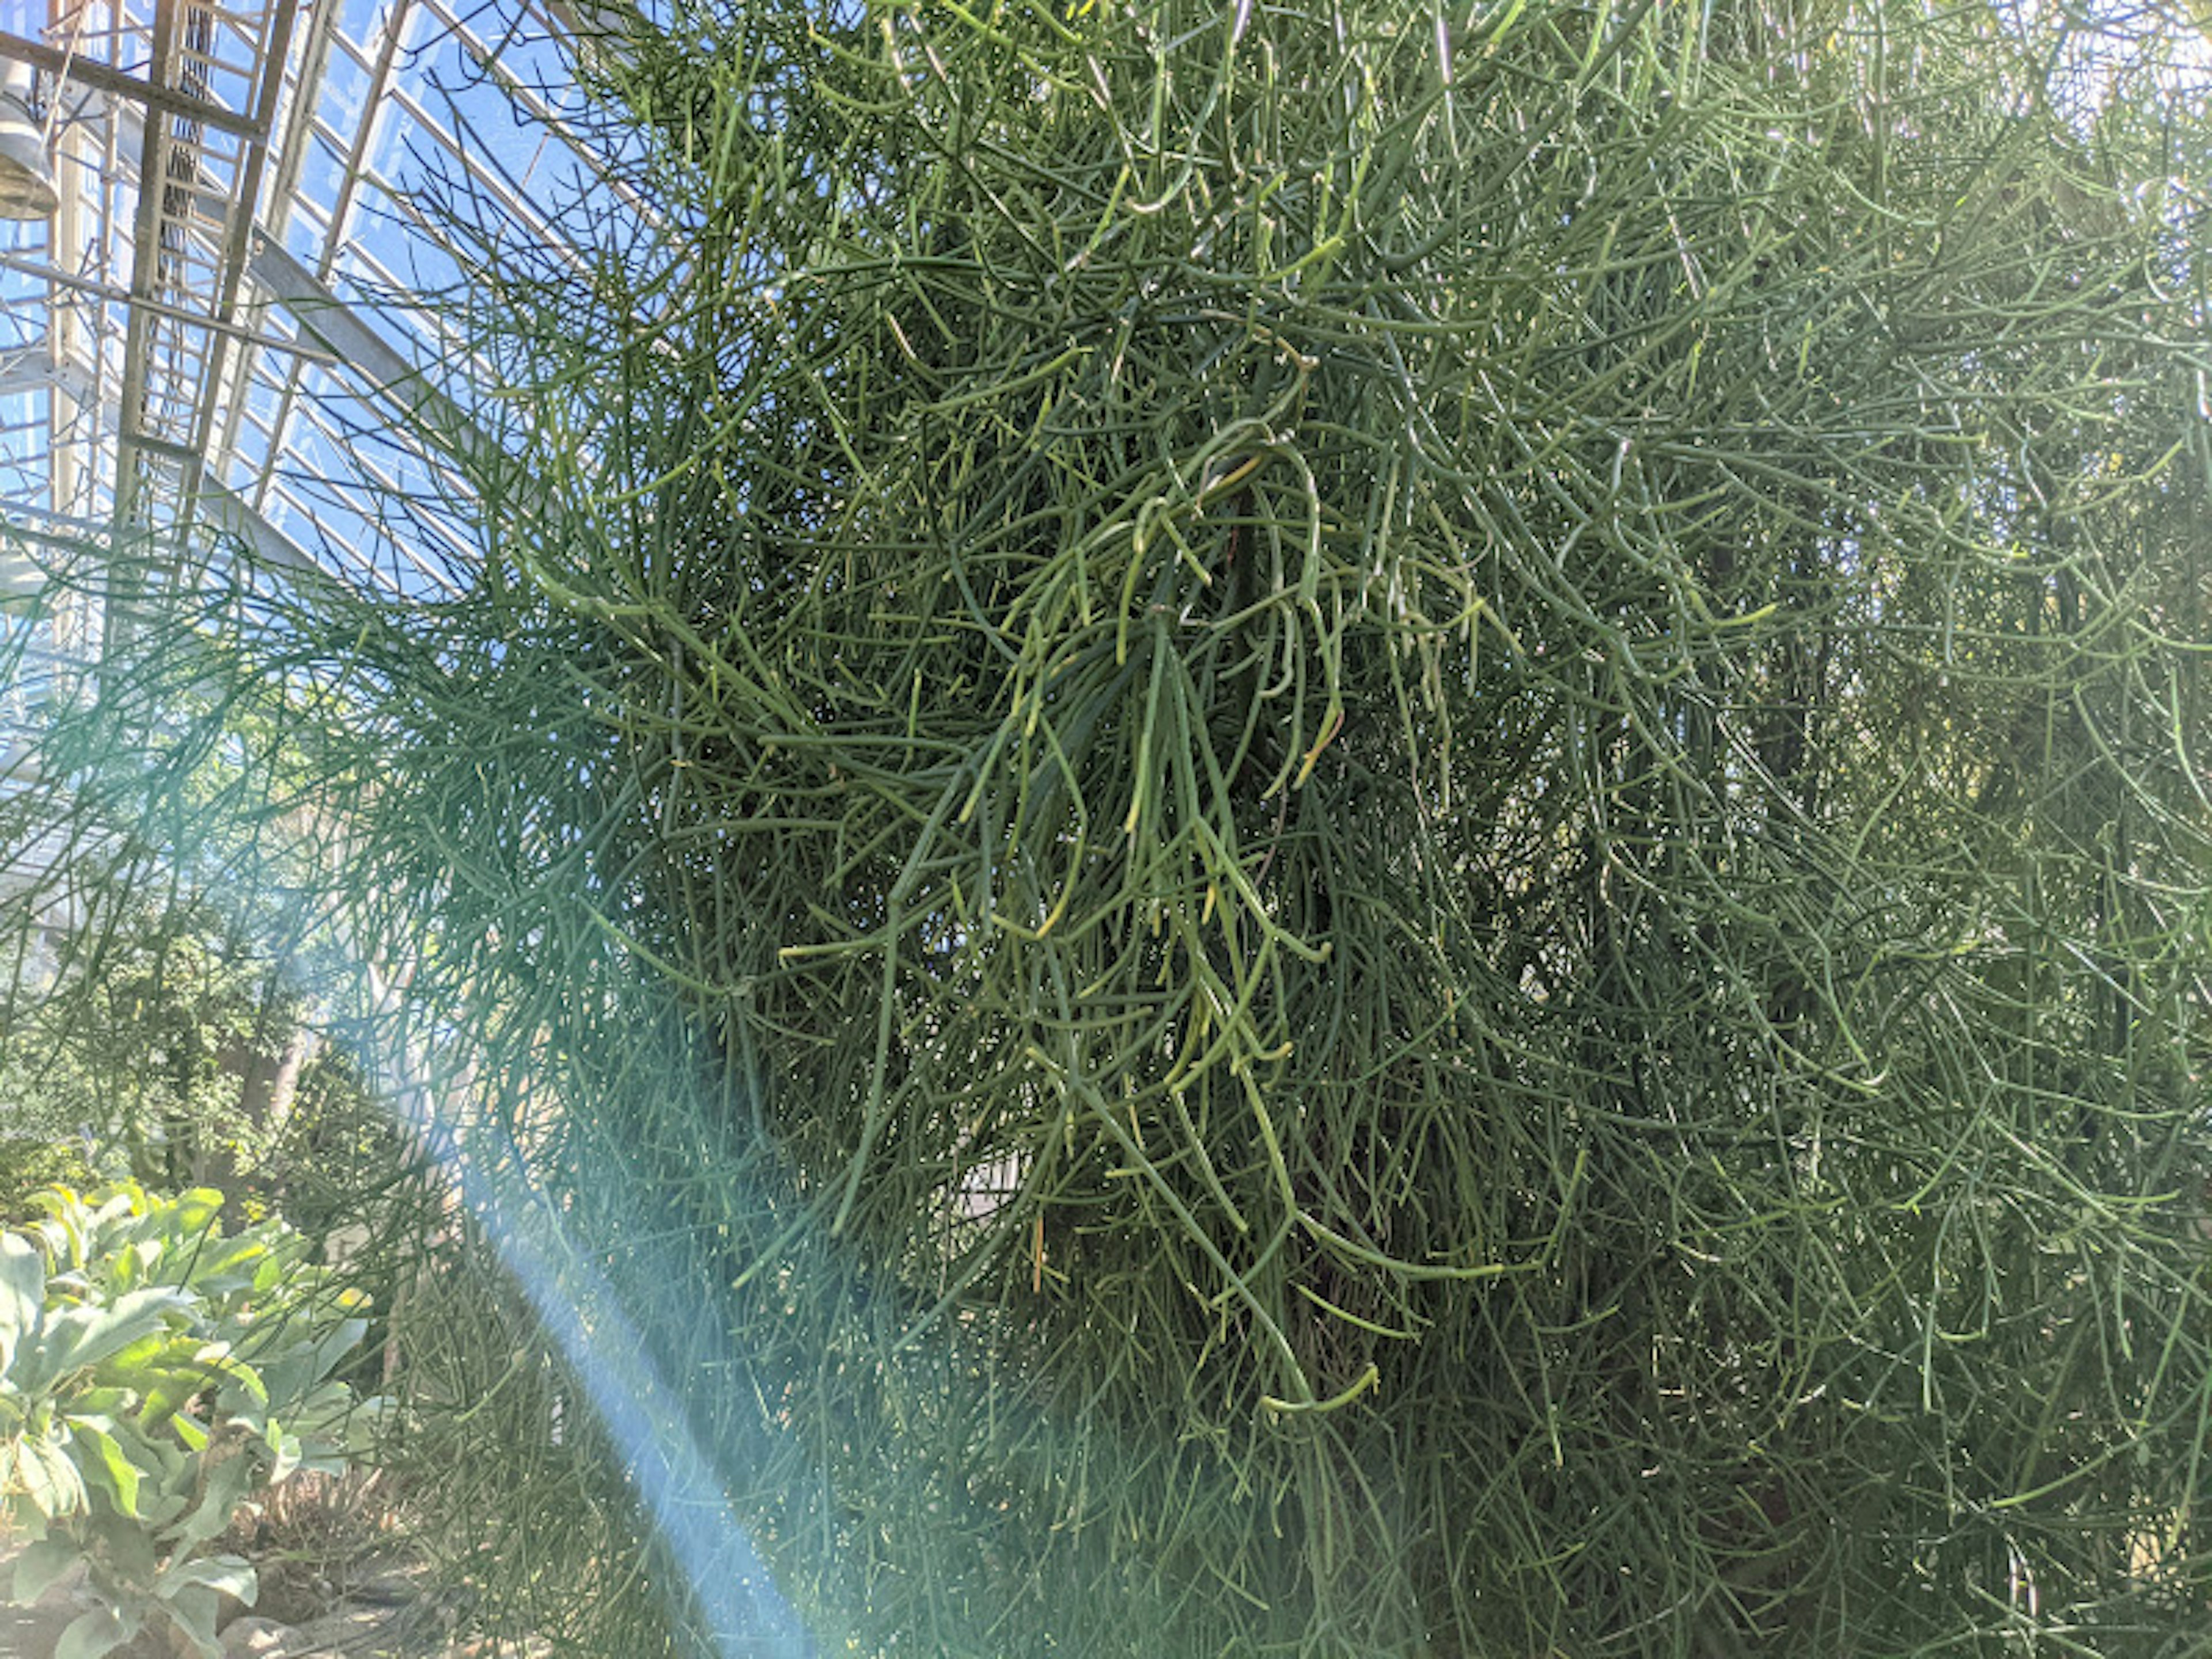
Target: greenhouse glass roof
[{"x": 223, "y": 351}]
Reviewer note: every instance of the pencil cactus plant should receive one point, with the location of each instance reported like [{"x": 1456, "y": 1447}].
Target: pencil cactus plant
[
  {"x": 154, "y": 1373},
  {"x": 1296, "y": 829}
]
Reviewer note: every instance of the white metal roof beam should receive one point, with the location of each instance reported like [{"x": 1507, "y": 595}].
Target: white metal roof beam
[
  {"x": 105, "y": 77},
  {"x": 339, "y": 329},
  {"x": 323, "y": 317},
  {"x": 225, "y": 511},
  {"x": 305, "y": 129}
]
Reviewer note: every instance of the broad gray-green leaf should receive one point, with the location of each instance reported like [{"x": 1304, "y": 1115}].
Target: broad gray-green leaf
[
  {"x": 22, "y": 1293},
  {"x": 109, "y": 1459},
  {"x": 49, "y": 1478},
  {"x": 194, "y": 1611},
  {"x": 95, "y": 1634},
  {"x": 40, "y": 1566},
  {"x": 227, "y": 1575},
  {"x": 227, "y": 1482},
  {"x": 82, "y": 1337}
]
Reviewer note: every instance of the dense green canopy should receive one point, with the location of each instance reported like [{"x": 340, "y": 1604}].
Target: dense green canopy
[{"x": 1332, "y": 828}]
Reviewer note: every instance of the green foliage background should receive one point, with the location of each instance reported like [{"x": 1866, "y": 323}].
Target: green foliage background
[
  {"x": 1321, "y": 828},
  {"x": 154, "y": 1049}
]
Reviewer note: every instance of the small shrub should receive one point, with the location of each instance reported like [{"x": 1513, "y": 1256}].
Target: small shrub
[
  {"x": 318, "y": 1538},
  {"x": 29, "y": 1166},
  {"x": 155, "y": 1374}
]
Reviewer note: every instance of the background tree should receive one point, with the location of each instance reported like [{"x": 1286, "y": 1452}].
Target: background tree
[
  {"x": 175, "y": 1050},
  {"x": 1332, "y": 829}
]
